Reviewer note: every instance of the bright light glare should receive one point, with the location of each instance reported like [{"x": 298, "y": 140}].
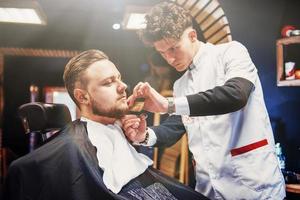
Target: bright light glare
[
  {"x": 136, "y": 21},
  {"x": 116, "y": 26},
  {"x": 19, "y": 15}
]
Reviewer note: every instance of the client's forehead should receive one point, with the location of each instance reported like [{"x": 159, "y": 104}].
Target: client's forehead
[{"x": 102, "y": 69}]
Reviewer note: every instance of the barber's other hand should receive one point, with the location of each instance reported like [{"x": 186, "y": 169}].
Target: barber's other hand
[
  {"x": 154, "y": 102},
  {"x": 134, "y": 127}
]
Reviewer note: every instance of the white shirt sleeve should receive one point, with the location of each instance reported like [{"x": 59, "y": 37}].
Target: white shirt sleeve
[
  {"x": 181, "y": 106},
  {"x": 152, "y": 139}
]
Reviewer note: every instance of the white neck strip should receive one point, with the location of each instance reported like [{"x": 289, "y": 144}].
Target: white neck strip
[{"x": 117, "y": 158}]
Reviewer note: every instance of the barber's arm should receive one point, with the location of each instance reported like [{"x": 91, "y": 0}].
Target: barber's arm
[
  {"x": 230, "y": 97},
  {"x": 169, "y": 131},
  {"x": 166, "y": 134}
]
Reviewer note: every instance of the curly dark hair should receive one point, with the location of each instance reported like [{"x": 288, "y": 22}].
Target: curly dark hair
[{"x": 165, "y": 20}]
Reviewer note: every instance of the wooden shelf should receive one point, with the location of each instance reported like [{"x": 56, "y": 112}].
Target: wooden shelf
[
  {"x": 295, "y": 82},
  {"x": 280, "y": 67},
  {"x": 294, "y": 188}
]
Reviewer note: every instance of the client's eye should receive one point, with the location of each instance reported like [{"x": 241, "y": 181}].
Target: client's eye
[{"x": 108, "y": 82}]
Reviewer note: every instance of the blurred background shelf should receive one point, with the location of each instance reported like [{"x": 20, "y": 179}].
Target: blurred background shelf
[
  {"x": 295, "y": 82},
  {"x": 280, "y": 57}
]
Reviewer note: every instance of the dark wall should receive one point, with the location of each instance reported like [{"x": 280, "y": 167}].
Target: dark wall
[
  {"x": 257, "y": 24},
  {"x": 19, "y": 74}
]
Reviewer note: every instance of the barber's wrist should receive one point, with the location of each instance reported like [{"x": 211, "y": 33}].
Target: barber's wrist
[
  {"x": 171, "y": 105},
  {"x": 164, "y": 106},
  {"x": 145, "y": 141}
]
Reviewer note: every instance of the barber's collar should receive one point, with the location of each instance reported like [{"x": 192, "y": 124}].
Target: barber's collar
[
  {"x": 192, "y": 66},
  {"x": 197, "y": 57}
]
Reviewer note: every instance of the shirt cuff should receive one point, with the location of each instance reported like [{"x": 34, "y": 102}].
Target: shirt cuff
[
  {"x": 152, "y": 138},
  {"x": 181, "y": 106}
]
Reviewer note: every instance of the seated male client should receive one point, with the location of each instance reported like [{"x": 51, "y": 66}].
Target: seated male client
[{"x": 91, "y": 158}]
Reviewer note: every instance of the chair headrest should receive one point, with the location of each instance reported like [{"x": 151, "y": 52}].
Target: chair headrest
[{"x": 39, "y": 116}]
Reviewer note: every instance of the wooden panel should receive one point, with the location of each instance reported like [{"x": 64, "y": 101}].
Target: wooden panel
[
  {"x": 37, "y": 52},
  {"x": 209, "y": 31},
  {"x": 169, "y": 158},
  {"x": 184, "y": 159},
  {"x": 225, "y": 39},
  {"x": 187, "y": 5},
  {"x": 210, "y": 20},
  {"x": 208, "y": 10},
  {"x": 180, "y": 2},
  {"x": 156, "y": 122},
  {"x": 219, "y": 35},
  {"x": 199, "y": 7}
]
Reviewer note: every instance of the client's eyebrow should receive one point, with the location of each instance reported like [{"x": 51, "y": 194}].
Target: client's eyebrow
[{"x": 113, "y": 77}]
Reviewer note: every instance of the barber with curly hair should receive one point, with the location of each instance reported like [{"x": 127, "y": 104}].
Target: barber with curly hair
[{"x": 218, "y": 101}]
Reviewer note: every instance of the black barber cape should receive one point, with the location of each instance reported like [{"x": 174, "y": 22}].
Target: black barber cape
[{"x": 66, "y": 167}]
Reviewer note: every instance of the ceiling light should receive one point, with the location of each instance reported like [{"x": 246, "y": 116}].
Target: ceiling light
[
  {"x": 116, "y": 26},
  {"x": 134, "y": 17},
  {"x": 136, "y": 21},
  {"x": 21, "y": 11}
]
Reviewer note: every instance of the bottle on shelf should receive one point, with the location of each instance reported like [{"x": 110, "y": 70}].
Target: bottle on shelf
[{"x": 280, "y": 156}]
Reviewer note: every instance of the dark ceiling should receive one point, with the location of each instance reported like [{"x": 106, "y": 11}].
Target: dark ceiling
[
  {"x": 74, "y": 25},
  {"x": 81, "y": 25}
]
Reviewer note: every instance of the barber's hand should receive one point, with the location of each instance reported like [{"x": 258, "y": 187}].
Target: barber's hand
[
  {"x": 154, "y": 102},
  {"x": 134, "y": 127}
]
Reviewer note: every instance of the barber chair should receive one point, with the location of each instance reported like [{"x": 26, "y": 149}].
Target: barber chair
[
  {"x": 66, "y": 165},
  {"x": 42, "y": 120}
]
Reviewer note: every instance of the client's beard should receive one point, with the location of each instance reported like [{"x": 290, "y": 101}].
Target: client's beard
[{"x": 112, "y": 112}]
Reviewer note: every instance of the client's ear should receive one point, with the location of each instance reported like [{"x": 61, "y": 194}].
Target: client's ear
[{"x": 81, "y": 96}]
